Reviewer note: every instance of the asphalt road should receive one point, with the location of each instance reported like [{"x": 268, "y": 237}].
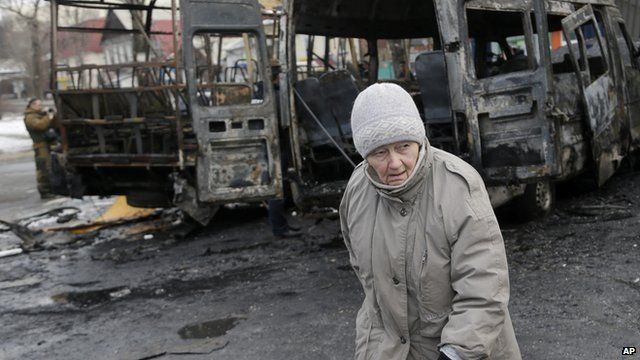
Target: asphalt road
[
  {"x": 18, "y": 184},
  {"x": 231, "y": 291}
]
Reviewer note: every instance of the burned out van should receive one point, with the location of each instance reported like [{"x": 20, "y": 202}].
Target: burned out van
[{"x": 254, "y": 97}]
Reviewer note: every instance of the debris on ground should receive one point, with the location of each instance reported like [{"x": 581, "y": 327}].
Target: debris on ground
[
  {"x": 199, "y": 347},
  {"x": 604, "y": 212},
  {"x": 44, "y": 230},
  {"x": 10, "y": 252},
  {"x": 27, "y": 281},
  {"x": 118, "y": 214}
]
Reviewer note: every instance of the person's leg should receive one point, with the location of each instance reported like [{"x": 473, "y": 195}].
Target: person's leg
[
  {"x": 279, "y": 225},
  {"x": 277, "y": 220},
  {"x": 43, "y": 167}
]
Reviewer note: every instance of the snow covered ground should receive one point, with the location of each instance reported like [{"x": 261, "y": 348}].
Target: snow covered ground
[{"x": 13, "y": 134}]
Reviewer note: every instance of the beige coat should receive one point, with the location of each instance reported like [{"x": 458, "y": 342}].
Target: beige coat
[
  {"x": 37, "y": 123},
  {"x": 431, "y": 261}
]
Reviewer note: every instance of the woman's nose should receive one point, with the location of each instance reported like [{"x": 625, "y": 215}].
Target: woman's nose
[{"x": 394, "y": 161}]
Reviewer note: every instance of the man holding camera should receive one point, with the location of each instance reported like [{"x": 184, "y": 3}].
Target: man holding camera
[{"x": 40, "y": 125}]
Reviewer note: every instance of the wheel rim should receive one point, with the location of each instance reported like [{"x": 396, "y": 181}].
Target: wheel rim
[{"x": 543, "y": 195}]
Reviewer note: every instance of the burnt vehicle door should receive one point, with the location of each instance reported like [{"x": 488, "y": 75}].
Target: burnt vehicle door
[
  {"x": 630, "y": 71},
  {"x": 511, "y": 140},
  {"x": 231, "y": 100},
  {"x": 597, "y": 87}
]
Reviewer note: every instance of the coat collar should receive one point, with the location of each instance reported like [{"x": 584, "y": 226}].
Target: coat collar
[{"x": 29, "y": 110}]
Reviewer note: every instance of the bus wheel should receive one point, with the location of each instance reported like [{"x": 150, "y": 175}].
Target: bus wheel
[{"x": 537, "y": 201}]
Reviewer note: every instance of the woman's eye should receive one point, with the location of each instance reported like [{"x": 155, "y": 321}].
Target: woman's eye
[{"x": 381, "y": 153}]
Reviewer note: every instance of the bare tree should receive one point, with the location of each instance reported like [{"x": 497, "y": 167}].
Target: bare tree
[{"x": 29, "y": 12}]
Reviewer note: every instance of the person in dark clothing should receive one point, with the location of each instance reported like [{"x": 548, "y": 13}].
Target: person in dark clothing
[
  {"x": 276, "y": 207},
  {"x": 279, "y": 225}
]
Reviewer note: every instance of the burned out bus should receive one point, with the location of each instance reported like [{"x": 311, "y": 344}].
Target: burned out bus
[{"x": 253, "y": 98}]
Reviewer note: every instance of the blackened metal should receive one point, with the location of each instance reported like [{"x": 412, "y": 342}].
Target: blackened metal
[{"x": 324, "y": 130}]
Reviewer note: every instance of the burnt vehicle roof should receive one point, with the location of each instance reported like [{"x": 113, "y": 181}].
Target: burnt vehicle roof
[
  {"x": 521, "y": 4},
  {"x": 389, "y": 19},
  {"x": 365, "y": 18}
]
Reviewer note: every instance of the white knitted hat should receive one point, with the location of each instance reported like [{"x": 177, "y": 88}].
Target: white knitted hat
[{"x": 383, "y": 114}]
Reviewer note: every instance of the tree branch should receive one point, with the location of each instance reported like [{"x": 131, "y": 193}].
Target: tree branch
[{"x": 19, "y": 8}]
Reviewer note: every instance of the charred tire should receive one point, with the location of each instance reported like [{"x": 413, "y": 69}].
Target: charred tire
[
  {"x": 148, "y": 199},
  {"x": 537, "y": 201}
]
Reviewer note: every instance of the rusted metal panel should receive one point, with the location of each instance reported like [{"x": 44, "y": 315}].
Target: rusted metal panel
[
  {"x": 506, "y": 113},
  {"x": 595, "y": 2},
  {"x": 559, "y": 7},
  {"x": 600, "y": 98},
  {"x": 130, "y": 159},
  {"x": 601, "y": 102},
  {"x": 507, "y": 102},
  {"x": 227, "y": 14},
  {"x": 566, "y": 95},
  {"x": 231, "y": 94},
  {"x": 579, "y": 17},
  {"x": 239, "y": 156},
  {"x": 121, "y": 91},
  {"x": 450, "y": 12},
  {"x": 236, "y": 166},
  {"x": 504, "y": 5}
]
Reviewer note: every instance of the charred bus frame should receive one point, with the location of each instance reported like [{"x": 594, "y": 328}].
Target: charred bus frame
[{"x": 523, "y": 117}]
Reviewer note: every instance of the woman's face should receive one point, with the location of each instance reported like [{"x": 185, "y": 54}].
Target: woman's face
[
  {"x": 36, "y": 105},
  {"x": 395, "y": 162}
]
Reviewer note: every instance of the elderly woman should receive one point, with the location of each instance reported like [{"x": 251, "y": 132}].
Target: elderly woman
[{"x": 424, "y": 242}]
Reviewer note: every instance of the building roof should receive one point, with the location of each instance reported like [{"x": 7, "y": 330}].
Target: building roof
[
  {"x": 112, "y": 22},
  {"x": 165, "y": 42},
  {"x": 71, "y": 44}
]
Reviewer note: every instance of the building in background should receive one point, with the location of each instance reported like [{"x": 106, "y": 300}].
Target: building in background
[
  {"x": 118, "y": 47},
  {"x": 13, "y": 79}
]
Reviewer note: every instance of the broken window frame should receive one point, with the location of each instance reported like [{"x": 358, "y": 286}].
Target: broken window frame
[
  {"x": 218, "y": 81},
  {"x": 554, "y": 70},
  {"x": 337, "y": 53},
  {"x": 471, "y": 49},
  {"x": 583, "y": 52},
  {"x": 621, "y": 28}
]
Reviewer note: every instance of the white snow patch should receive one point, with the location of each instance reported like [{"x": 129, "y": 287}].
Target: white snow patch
[{"x": 13, "y": 134}]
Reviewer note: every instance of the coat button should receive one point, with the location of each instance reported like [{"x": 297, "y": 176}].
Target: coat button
[
  {"x": 403, "y": 212},
  {"x": 403, "y": 340},
  {"x": 395, "y": 280}
]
